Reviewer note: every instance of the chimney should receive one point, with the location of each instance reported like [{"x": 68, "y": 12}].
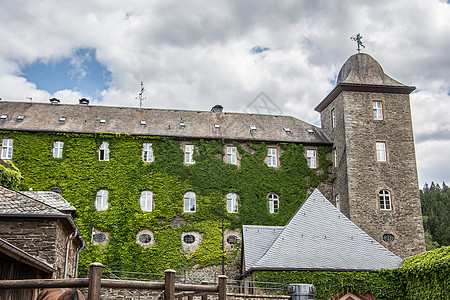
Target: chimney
[
  {"x": 54, "y": 101},
  {"x": 217, "y": 108},
  {"x": 84, "y": 101}
]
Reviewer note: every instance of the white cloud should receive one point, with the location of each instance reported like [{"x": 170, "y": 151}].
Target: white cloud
[{"x": 195, "y": 54}]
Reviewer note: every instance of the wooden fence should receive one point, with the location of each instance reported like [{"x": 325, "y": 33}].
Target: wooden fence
[{"x": 94, "y": 284}]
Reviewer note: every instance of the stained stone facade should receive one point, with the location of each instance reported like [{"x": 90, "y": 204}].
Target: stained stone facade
[{"x": 360, "y": 176}]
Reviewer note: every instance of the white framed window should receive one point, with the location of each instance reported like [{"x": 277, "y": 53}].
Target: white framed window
[
  {"x": 272, "y": 157},
  {"x": 189, "y": 154},
  {"x": 231, "y": 155},
  {"x": 333, "y": 118},
  {"x": 190, "y": 204},
  {"x": 58, "y": 149},
  {"x": 311, "y": 157},
  {"x": 103, "y": 152},
  {"x": 147, "y": 152},
  {"x": 232, "y": 203},
  {"x": 377, "y": 109},
  {"x": 146, "y": 200},
  {"x": 385, "y": 200},
  {"x": 338, "y": 202},
  {"x": 7, "y": 148},
  {"x": 101, "y": 201},
  {"x": 381, "y": 151},
  {"x": 274, "y": 203}
]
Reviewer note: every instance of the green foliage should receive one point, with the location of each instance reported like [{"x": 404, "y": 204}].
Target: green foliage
[
  {"x": 80, "y": 175},
  {"x": 423, "y": 276},
  {"x": 436, "y": 214},
  {"x": 9, "y": 175}
]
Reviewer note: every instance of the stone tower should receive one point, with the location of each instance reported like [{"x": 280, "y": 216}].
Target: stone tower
[{"x": 368, "y": 117}]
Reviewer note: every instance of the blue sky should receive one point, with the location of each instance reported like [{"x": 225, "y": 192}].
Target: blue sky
[
  {"x": 79, "y": 72},
  {"x": 196, "y": 54}
]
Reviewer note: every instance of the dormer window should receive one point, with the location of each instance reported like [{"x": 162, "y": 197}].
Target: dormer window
[
  {"x": 62, "y": 120},
  {"x": 3, "y": 117},
  {"x": 287, "y": 129},
  {"x": 102, "y": 121},
  {"x": 143, "y": 122},
  {"x": 217, "y": 126},
  {"x": 20, "y": 118},
  {"x": 182, "y": 124}
]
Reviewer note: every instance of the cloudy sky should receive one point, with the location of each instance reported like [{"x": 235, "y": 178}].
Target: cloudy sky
[{"x": 195, "y": 54}]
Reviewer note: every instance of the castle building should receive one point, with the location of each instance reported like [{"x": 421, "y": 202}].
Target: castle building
[{"x": 173, "y": 188}]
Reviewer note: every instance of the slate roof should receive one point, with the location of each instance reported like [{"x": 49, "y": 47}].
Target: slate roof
[
  {"x": 159, "y": 122},
  {"x": 17, "y": 203},
  {"x": 318, "y": 237},
  {"x": 53, "y": 199}
]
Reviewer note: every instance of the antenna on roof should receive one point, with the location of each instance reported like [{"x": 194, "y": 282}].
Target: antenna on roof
[
  {"x": 30, "y": 98},
  {"x": 140, "y": 96}
]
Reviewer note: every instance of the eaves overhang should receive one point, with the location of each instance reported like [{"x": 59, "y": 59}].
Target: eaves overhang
[{"x": 352, "y": 87}]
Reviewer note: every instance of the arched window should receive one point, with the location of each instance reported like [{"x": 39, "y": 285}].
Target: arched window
[
  {"x": 189, "y": 202},
  {"x": 101, "y": 201},
  {"x": 274, "y": 203},
  {"x": 385, "y": 200},
  {"x": 232, "y": 203},
  {"x": 146, "y": 200}
]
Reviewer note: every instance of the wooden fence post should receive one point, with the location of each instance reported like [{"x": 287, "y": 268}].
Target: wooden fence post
[
  {"x": 169, "y": 284},
  {"x": 222, "y": 287},
  {"x": 205, "y": 297},
  {"x": 95, "y": 281}
]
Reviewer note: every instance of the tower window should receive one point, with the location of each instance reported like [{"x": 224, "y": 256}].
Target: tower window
[
  {"x": 232, "y": 203},
  {"x": 147, "y": 152},
  {"x": 7, "y": 148},
  {"x": 231, "y": 155},
  {"x": 146, "y": 201},
  {"x": 335, "y": 158},
  {"x": 58, "y": 149},
  {"x": 311, "y": 157},
  {"x": 333, "y": 118},
  {"x": 381, "y": 151},
  {"x": 103, "y": 152},
  {"x": 101, "y": 201},
  {"x": 377, "y": 109},
  {"x": 189, "y": 154},
  {"x": 189, "y": 202},
  {"x": 272, "y": 157},
  {"x": 385, "y": 200},
  {"x": 388, "y": 238},
  {"x": 274, "y": 203},
  {"x": 338, "y": 202}
]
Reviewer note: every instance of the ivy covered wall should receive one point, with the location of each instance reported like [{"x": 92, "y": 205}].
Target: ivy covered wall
[{"x": 80, "y": 175}]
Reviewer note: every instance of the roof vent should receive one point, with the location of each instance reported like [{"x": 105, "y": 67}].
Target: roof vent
[
  {"x": 62, "y": 120},
  {"x": 217, "y": 108},
  {"x": 287, "y": 129},
  {"x": 3, "y": 117},
  {"x": 83, "y": 101},
  {"x": 143, "y": 122},
  {"x": 252, "y": 128},
  {"x": 20, "y": 118},
  {"x": 182, "y": 124},
  {"x": 217, "y": 126},
  {"x": 102, "y": 121},
  {"x": 310, "y": 131},
  {"x": 54, "y": 101}
]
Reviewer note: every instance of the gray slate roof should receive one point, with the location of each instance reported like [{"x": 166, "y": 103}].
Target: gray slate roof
[
  {"x": 318, "y": 237},
  {"x": 51, "y": 198},
  {"x": 159, "y": 122},
  {"x": 17, "y": 203}
]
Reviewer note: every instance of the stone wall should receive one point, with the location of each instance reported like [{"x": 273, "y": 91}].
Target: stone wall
[{"x": 360, "y": 177}]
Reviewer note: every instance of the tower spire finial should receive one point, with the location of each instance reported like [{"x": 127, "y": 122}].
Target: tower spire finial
[
  {"x": 358, "y": 39},
  {"x": 140, "y": 96}
]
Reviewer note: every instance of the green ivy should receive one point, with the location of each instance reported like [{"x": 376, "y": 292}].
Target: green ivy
[
  {"x": 423, "y": 276},
  {"x": 9, "y": 175},
  {"x": 80, "y": 175}
]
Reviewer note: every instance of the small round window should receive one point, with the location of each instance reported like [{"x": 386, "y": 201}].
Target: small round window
[
  {"x": 189, "y": 239},
  {"x": 231, "y": 239},
  {"x": 389, "y": 238},
  {"x": 145, "y": 238},
  {"x": 99, "y": 237}
]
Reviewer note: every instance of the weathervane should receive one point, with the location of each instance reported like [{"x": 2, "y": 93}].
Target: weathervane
[
  {"x": 357, "y": 38},
  {"x": 140, "y": 97}
]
